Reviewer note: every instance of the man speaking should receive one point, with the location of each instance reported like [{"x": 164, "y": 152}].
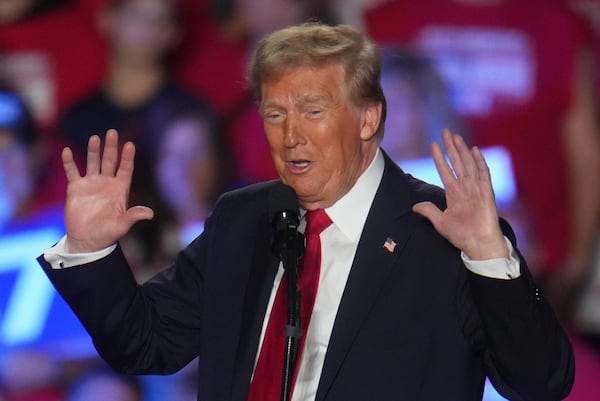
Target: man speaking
[{"x": 407, "y": 292}]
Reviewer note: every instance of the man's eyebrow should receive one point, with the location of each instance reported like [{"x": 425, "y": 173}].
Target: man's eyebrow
[
  {"x": 298, "y": 98},
  {"x": 268, "y": 103},
  {"x": 265, "y": 103},
  {"x": 310, "y": 98}
]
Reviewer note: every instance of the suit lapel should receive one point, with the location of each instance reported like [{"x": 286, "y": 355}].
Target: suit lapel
[
  {"x": 260, "y": 282},
  {"x": 371, "y": 266}
]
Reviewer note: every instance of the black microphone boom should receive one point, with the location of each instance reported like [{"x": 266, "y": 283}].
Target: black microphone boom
[{"x": 288, "y": 246}]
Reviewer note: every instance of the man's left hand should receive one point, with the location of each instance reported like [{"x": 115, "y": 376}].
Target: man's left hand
[{"x": 470, "y": 221}]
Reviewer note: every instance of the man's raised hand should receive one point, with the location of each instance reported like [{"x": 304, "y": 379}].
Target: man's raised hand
[
  {"x": 470, "y": 221},
  {"x": 96, "y": 209}
]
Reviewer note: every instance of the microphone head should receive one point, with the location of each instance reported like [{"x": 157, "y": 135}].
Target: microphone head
[
  {"x": 283, "y": 210},
  {"x": 283, "y": 198}
]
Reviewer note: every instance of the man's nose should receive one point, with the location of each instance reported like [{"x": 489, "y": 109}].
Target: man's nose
[{"x": 292, "y": 135}]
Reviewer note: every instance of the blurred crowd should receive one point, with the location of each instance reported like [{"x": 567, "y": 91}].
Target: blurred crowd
[{"x": 169, "y": 76}]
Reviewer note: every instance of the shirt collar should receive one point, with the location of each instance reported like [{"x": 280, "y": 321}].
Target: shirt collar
[{"x": 349, "y": 213}]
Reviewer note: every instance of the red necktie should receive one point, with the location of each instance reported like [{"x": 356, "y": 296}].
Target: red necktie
[{"x": 266, "y": 384}]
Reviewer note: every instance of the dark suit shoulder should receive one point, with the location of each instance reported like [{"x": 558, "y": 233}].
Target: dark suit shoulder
[
  {"x": 418, "y": 190},
  {"x": 422, "y": 191},
  {"x": 251, "y": 191},
  {"x": 246, "y": 197},
  {"x": 239, "y": 209}
]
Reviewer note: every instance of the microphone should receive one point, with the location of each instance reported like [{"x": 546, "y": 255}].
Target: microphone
[
  {"x": 288, "y": 246},
  {"x": 283, "y": 207}
]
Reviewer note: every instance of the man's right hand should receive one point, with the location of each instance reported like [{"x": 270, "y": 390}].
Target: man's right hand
[{"x": 96, "y": 209}]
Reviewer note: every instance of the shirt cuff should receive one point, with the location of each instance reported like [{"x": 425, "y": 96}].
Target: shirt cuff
[
  {"x": 499, "y": 268},
  {"x": 59, "y": 257}
]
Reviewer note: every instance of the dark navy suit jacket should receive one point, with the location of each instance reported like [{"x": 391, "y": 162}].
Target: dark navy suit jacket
[{"x": 413, "y": 324}]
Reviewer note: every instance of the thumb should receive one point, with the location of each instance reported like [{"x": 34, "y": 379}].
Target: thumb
[
  {"x": 137, "y": 213},
  {"x": 428, "y": 210}
]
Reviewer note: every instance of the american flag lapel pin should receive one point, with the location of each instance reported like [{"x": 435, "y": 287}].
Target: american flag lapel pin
[{"x": 389, "y": 245}]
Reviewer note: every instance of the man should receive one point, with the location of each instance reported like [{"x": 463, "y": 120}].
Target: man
[{"x": 397, "y": 315}]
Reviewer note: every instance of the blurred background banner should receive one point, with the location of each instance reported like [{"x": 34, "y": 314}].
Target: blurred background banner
[{"x": 32, "y": 314}]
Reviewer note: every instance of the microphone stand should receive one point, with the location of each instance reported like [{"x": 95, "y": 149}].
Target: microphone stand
[{"x": 290, "y": 255}]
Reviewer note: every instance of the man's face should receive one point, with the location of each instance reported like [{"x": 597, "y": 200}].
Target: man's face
[{"x": 320, "y": 141}]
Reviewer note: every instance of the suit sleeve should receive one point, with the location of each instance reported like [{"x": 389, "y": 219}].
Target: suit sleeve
[
  {"x": 527, "y": 354},
  {"x": 152, "y": 328}
]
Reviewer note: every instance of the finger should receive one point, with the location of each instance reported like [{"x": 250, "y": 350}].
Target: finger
[
  {"x": 430, "y": 211},
  {"x": 110, "y": 154},
  {"x": 466, "y": 157},
  {"x": 453, "y": 153},
  {"x": 444, "y": 170},
  {"x": 483, "y": 169},
  {"x": 71, "y": 170},
  {"x": 138, "y": 213},
  {"x": 125, "y": 171},
  {"x": 93, "y": 156}
]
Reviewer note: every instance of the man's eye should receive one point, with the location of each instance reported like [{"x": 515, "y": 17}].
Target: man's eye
[
  {"x": 273, "y": 116},
  {"x": 315, "y": 113}
]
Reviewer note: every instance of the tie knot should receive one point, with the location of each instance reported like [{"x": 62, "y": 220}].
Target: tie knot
[{"x": 316, "y": 221}]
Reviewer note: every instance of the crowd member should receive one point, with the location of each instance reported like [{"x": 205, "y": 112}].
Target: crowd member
[
  {"x": 105, "y": 385},
  {"x": 587, "y": 317},
  {"x": 419, "y": 108},
  {"x": 43, "y": 60},
  {"x": 590, "y": 11},
  {"x": 12, "y": 11},
  {"x": 137, "y": 93},
  {"x": 418, "y": 104},
  {"x": 29, "y": 376},
  {"x": 521, "y": 77},
  {"x": 210, "y": 61},
  {"x": 351, "y": 11},
  {"x": 406, "y": 300},
  {"x": 140, "y": 34},
  {"x": 50, "y": 67},
  {"x": 190, "y": 169},
  {"x": 207, "y": 55},
  {"x": 247, "y": 18},
  {"x": 18, "y": 172}
]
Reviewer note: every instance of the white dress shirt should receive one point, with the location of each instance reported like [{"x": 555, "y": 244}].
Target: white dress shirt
[{"x": 339, "y": 243}]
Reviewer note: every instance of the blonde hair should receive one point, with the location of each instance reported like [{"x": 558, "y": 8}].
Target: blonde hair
[{"x": 315, "y": 44}]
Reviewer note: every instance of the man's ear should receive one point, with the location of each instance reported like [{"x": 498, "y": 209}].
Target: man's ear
[{"x": 370, "y": 120}]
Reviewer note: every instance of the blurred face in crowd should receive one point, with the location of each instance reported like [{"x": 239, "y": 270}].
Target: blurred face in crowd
[
  {"x": 185, "y": 169},
  {"x": 16, "y": 177},
  {"x": 320, "y": 141},
  {"x": 142, "y": 30},
  {"x": 404, "y": 130}
]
